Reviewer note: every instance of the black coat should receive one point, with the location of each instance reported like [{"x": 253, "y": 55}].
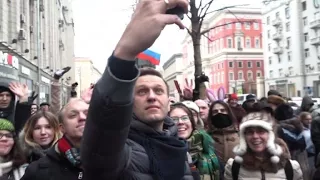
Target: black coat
[{"x": 52, "y": 167}]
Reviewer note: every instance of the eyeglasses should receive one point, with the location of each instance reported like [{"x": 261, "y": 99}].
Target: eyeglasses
[
  {"x": 258, "y": 130},
  {"x": 183, "y": 118},
  {"x": 7, "y": 135}
]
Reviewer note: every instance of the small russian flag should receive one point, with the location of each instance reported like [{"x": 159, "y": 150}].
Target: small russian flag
[{"x": 150, "y": 56}]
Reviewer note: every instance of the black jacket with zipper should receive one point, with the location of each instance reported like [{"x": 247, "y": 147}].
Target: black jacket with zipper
[{"x": 52, "y": 167}]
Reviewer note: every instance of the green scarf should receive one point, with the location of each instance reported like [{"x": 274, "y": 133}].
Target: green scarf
[{"x": 203, "y": 154}]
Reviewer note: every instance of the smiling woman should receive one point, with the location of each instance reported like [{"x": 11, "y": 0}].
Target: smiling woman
[{"x": 260, "y": 154}]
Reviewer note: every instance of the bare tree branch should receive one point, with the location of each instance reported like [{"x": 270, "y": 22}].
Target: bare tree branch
[
  {"x": 233, "y": 15},
  {"x": 226, "y": 7},
  {"x": 208, "y": 37},
  {"x": 189, "y": 17},
  {"x": 206, "y": 7},
  {"x": 189, "y": 31},
  {"x": 220, "y": 25}
]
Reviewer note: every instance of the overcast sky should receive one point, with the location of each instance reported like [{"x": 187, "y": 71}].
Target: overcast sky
[{"x": 99, "y": 25}]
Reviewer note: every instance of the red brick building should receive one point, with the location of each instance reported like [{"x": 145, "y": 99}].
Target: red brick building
[{"x": 232, "y": 55}]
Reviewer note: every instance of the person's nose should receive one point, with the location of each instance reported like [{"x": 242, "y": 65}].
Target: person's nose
[
  {"x": 43, "y": 131},
  {"x": 151, "y": 96},
  {"x": 82, "y": 116},
  {"x": 255, "y": 134}
]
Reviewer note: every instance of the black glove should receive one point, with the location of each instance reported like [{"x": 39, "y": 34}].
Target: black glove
[{"x": 32, "y": 97}]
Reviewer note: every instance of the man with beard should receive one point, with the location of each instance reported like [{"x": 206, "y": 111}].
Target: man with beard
[{"x": 128, "y": 134}]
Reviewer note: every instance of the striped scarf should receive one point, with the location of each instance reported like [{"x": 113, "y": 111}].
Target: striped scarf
[{"x": 202, "y": 152}]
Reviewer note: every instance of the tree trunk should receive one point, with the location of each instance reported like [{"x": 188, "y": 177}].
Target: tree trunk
[{"x": 199, "y": 93}]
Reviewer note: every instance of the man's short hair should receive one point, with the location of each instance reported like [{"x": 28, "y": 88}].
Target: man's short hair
[
  {"x": 44, "y": 104},
  {"x": 63, "y": 109},
  {"x": 150, "y": 71}
]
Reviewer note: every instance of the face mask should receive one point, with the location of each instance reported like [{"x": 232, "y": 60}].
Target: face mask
[{"x": 221, "y": 121}]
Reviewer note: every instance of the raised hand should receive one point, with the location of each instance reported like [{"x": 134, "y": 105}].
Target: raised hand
[
  {"x": 20, "y": 90},
  {"x": 87, "y": 94},
  {"x": 188, "y": 90},
  {"x": 147, "y": 22}
]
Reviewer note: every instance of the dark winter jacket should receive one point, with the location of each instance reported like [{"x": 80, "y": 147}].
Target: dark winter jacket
[
  {"x": 52, "y": 167},
  {"x": 238, "y": 112},
  {"x": 110, "y": 120}
]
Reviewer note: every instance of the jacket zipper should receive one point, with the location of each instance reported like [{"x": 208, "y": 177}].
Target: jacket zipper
[{"x": 80, "y": 175}]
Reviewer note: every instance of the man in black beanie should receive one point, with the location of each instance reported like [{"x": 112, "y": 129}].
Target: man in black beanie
[
  {"x": 274, "y": 92},
  {"x": 7, "y": 101}
]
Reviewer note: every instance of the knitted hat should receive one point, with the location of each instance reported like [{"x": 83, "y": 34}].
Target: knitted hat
[
  {"x": 6, "y": 125},
  {"x": 265, "y": 121},
  {"x": 276, "y": 100},
  {"x": 233, "y": 96},
  {"x": 191, "y": 105}
]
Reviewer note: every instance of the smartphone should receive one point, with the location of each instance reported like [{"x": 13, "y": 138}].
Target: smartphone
[{"x": 177, "y": 11}]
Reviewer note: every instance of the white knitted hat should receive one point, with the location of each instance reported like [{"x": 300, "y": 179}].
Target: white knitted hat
[{"x": 265, "y": 121}]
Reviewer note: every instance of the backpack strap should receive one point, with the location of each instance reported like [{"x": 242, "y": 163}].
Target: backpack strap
[
  {"x": 235, "y": 170},
  {"x": 288, "y": 169}
]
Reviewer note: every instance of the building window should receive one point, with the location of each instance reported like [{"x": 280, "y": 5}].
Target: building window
[
  {"x": 231, "y": 78},
  {"x": 268, "y": 34},
  {"x": 218, "y": 78},
  {"x": 240, "y": 75},
  {"x": 270, "y": 60},
  {"x": 230, "y": 64},
  {"x": 290, "y": 70},
  {"x": 318, "y": 67},
  {"x": 306, "y": 52},
  {"x": 287, "y": 12},
  {"x": 221, "y": 43},
  {"x": 289, "y": 42},
  {"x": 258, "y": 64},
  {"x": 306, "y": 37},
  {"x": 268, "y": 20},
  {"x": 229, "y": 43},
  {"x": 271, "y": 74},
  {"x": 277, "y": 14},
  {"x": 239, "y": 43},
  {"x": 281, "y": 72},
  {"x": 249, "y": 73},
  {"x": 256, "y": 26},
  {"x": 288, "y": 26},
  {"x": 257, "y": 43},
  {"x": 248, "y": 42},
  {"x": 289, "y": 56},
  {"x": 239, "y": 64},
  {"x": 228, "y": 25},
  {"x": 222, "y": 77},
  {"x": 258, "y": 74},
  {"x": 304, "y": 6},
  {"x": 218, "y": 66},
  {"x": 305, "y": 21},
  {"x": 269, "y": 47},
  {"x": 279, "y": 59},
  {"x": 247, "y": 25},
  {"x": 249, "y": 64},
  {"x": 238, "y": 25}
]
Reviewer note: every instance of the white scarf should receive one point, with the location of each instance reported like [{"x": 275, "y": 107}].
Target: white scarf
[{"x": 17, "y": 173}]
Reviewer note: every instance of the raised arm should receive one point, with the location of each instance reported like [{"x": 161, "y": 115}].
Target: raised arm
[{"x": 103, "y": 149}]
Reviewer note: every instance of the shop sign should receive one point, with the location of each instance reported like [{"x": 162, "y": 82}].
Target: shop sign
[
  {"x": 25, "y": 70},
  {"x": 9, "y": 66},
  {"x": 45, "y": 80},
  {"x": 8, "y": 60}
]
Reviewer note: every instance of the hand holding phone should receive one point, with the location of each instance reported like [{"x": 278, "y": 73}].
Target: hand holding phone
[{"x": 177, "y": 11}]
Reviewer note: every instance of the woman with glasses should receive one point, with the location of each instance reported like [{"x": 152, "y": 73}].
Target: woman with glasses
[
  {"x": 201, "y": 149},
  {"x": 39, "y": 134},
  {"x": 260, "y": 154},
  {"x": 223, "y": 129},
  {"x": 12, "y": 160}
]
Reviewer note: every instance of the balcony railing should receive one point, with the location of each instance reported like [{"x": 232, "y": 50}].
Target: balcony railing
[
  {"x": 278, "y": 50},
  {"x": 315, "y": 24}
]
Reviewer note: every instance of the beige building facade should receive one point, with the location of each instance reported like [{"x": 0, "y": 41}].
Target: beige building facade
[
  {"x": 85, "y": 73},
  {"x": 38, "y": 33}
]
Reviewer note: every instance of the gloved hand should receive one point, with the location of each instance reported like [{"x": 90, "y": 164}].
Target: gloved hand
[{"x": 32, "y": 97}]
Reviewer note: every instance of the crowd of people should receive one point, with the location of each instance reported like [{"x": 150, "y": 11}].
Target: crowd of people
[{"x": 127, "y": 127}]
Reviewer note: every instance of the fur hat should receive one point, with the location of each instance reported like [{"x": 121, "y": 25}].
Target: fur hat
[
  {"x": 265, "y": 121},
  {"x": 276, "y": 100}
]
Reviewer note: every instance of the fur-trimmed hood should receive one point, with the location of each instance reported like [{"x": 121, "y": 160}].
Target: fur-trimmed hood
[
  {"x": 32, "y": 153},
  {"x": 293, "y": 125},
  {"x": 251, "y": 162}
]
